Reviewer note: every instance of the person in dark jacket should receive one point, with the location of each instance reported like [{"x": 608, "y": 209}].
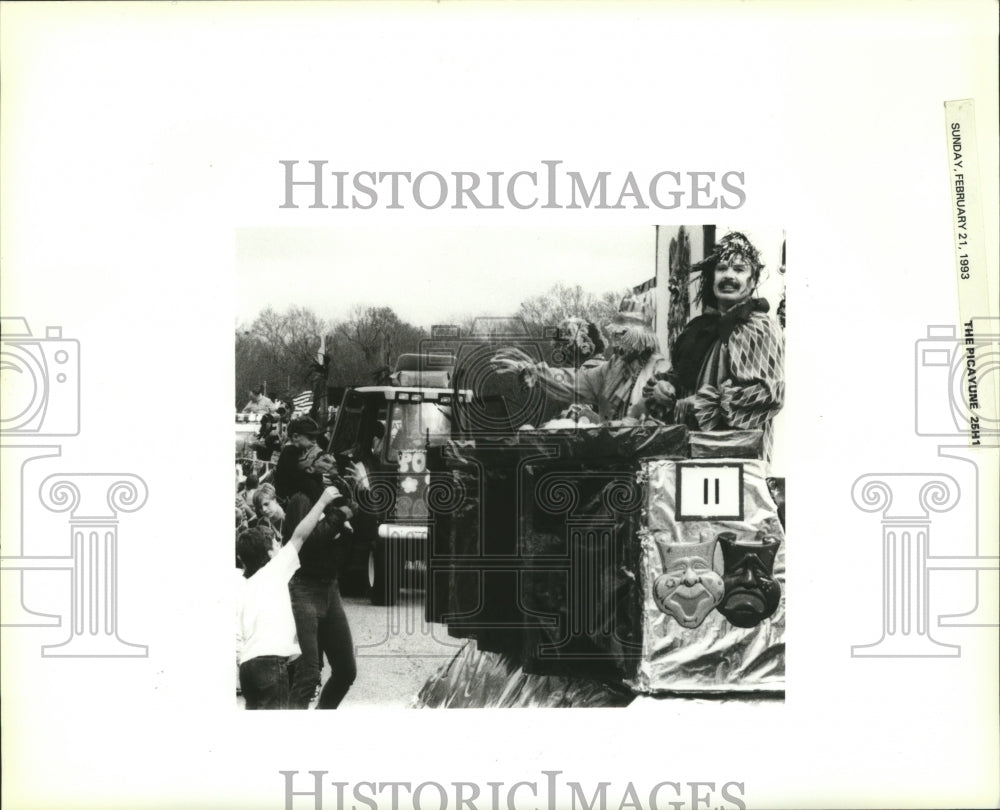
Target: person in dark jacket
[
  {"x": 320, "y": 620},
  {"x": 728, "y": 363},
  {"x": 294, "y": 469}
]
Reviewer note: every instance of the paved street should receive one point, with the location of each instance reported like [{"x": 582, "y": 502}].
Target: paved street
[{"x": 396, "y": 650}]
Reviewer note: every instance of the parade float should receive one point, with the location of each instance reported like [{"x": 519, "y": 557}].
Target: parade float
[
  {"x": 589, "y": 565},
  {"x": 590, "y": 562}
]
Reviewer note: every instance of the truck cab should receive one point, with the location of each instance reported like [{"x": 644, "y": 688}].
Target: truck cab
[{"x": 387, "y": 429}]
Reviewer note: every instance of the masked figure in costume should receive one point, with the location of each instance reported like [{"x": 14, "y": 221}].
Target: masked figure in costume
[
  {"x": 612, "y": 387},
  {"x": 727, "y": 369}
]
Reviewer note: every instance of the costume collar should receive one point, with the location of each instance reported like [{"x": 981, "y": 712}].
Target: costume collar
[{"x": 741, "y": 314}]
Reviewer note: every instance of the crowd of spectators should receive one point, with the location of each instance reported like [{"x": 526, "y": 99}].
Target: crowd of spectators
[{"x": 304, "y": 489}]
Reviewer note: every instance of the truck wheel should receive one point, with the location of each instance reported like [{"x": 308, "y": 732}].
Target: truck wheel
[{"x": 383, "y": 573}]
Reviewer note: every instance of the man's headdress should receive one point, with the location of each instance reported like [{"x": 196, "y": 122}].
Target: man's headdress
[{"x": 734, "y": 245}]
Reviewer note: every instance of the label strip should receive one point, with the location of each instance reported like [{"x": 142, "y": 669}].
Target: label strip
[{"x": 980, "y": 327}]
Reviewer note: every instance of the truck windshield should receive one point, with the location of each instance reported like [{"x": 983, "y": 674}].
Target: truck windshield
[{"x": 411, "y": 422}]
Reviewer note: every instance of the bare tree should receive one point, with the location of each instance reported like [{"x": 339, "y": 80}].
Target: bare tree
[
  {"x": 379, "y": 334},
  {"x": 277, "y": 351},
  {"x": 371, "y": 329},
  {"x": 563, "y": 301}
]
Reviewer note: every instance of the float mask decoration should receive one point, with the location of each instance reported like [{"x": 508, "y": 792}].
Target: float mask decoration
[
  {"x": 688, "y": 589},
  {"x": 752, "y": 594}
]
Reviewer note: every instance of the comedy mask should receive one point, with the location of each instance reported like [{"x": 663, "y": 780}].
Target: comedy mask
[
  {"x": 688, "y": 589},
  {"x": 752, "y": 594}
]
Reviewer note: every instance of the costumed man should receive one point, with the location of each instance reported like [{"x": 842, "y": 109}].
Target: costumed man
[
  {"x": 613, "y": 387},
  {"x": 727, "y": 368}
]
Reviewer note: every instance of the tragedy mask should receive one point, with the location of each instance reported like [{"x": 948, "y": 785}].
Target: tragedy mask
[{"x": 752, "y": 593}]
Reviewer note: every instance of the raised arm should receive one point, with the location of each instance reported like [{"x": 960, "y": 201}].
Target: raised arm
[
  {"x": 308, "y": 523},
  {"x": 564, "y": 385}
]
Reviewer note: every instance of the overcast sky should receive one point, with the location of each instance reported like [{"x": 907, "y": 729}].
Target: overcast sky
[{"x": 431, "y": 275}]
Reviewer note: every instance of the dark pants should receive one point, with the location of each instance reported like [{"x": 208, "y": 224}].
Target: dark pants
[
  {"x": 264, "y": 681},
  {"x": 322, "y": 628}
]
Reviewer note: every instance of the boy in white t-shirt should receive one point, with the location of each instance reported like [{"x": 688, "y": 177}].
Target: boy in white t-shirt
[{"x": 265, "y": 627}]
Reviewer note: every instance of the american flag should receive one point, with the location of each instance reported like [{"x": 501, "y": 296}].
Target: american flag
[{"x": 303, "y": 403}]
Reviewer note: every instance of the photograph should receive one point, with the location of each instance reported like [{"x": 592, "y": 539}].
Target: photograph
[
  {"x": 481, "y": 313},
  {"x": 571, "y": 491}
]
